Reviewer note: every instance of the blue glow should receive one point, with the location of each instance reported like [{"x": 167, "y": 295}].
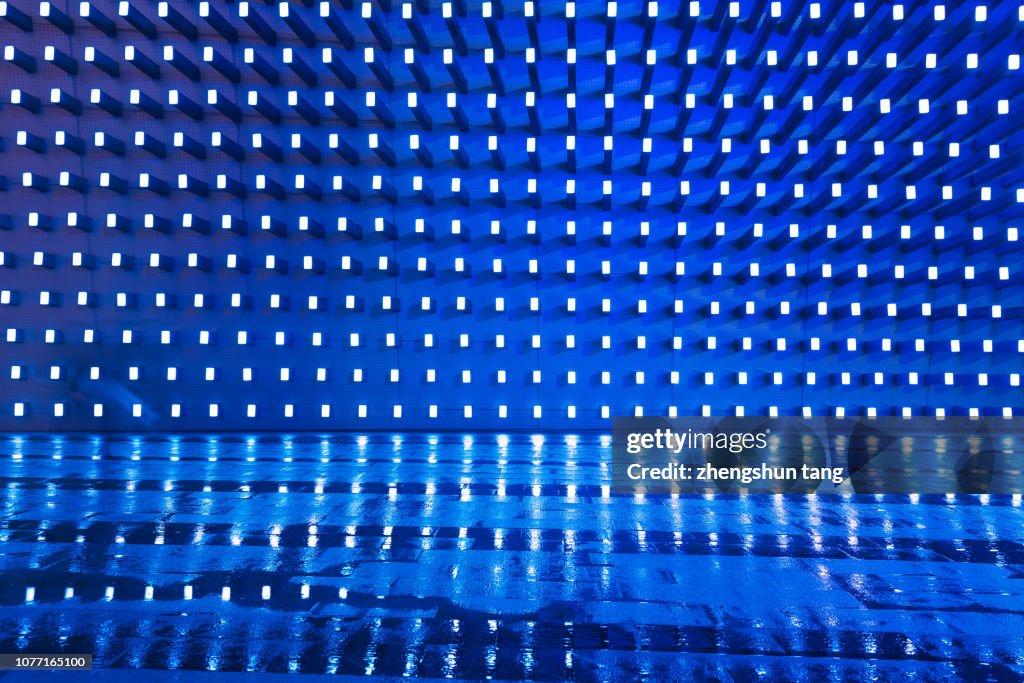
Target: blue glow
[{"x": 506, "y": 215}]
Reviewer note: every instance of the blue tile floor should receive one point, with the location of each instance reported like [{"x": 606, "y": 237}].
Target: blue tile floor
[{"x": 485, "y": 556}]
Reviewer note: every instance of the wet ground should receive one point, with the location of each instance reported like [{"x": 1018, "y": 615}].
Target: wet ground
[{"x": 483, "y": 557}]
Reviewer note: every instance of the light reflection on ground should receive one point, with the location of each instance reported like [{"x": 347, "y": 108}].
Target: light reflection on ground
[{"x": 485, "y": 556}]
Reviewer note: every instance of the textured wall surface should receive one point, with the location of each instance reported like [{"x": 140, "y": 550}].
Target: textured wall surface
[{"x": 505, "y": 215}]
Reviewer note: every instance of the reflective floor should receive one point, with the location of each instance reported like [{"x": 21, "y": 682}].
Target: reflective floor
[{"x": 483, "y": 557}]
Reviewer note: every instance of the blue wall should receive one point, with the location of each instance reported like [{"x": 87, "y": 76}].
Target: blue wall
[{"x": 793, "y": 212}]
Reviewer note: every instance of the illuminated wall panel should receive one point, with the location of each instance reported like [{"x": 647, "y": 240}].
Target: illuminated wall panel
[{"x": 506, "y": 215}]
